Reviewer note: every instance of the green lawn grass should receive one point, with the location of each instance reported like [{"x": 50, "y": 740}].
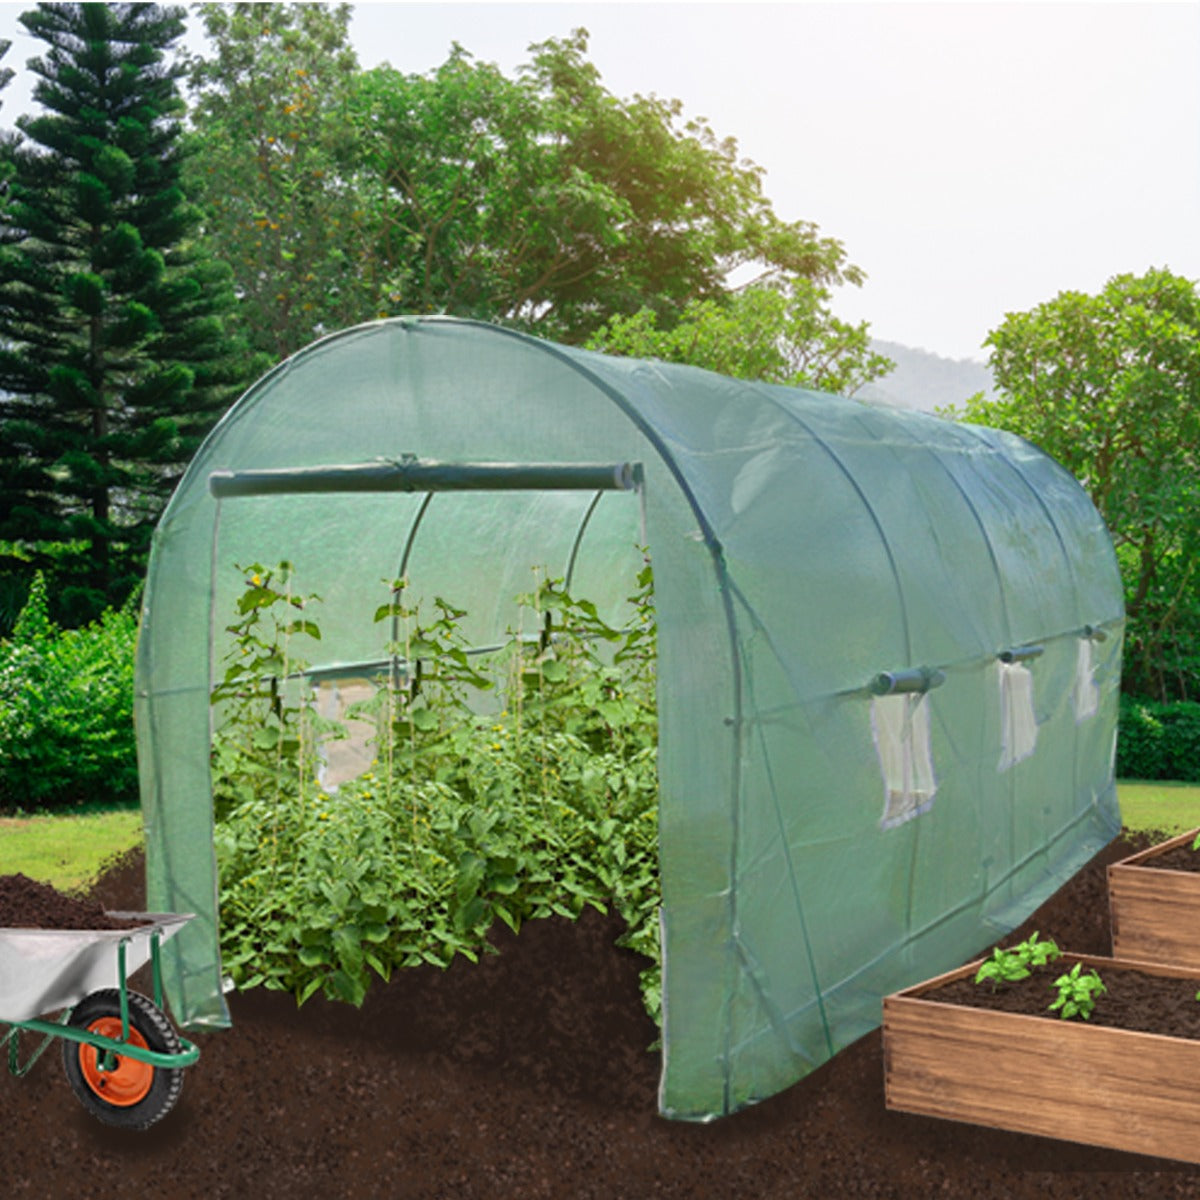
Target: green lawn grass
[
  {"x": 66, "y": 851},
  {"x": 1159, "y": 807}
]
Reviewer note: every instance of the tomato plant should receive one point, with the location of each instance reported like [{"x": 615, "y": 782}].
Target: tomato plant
[{"x": 545, "y": 805}]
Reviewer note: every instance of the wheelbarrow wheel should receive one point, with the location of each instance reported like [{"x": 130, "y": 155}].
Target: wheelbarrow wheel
[{"x": 132, "y": 1094}]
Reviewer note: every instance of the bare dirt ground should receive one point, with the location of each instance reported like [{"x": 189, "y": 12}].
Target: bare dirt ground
[{"x": 527, "y": 1076}]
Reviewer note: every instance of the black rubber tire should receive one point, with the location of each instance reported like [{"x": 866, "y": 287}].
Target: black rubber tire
[{"x": 160, "y": 1035}]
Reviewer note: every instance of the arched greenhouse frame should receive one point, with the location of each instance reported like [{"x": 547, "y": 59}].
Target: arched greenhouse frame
[{"x": 888, "y": 651}]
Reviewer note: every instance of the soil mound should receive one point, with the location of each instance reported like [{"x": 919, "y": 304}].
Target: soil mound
[
  {"x": 527, "y": 1077},
  {"x": 27, "y": 904}
]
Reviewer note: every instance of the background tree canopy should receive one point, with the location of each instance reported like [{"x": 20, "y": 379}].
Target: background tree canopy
[
  {"x": 542, "y": 201},
  {"x": 1109, "y": 385},
  {"x": 295, "y": 193},
  {"x": 779, "y": 329}
]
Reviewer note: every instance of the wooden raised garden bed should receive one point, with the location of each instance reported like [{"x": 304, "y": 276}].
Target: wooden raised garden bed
[
  {"x": 1080, "y": 1081},
  {"x": 1154, "y": 902}
]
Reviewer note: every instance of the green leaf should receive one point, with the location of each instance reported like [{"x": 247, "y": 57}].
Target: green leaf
[
  {"x": 306, "y": 992},
  {"x": 424, "y": 719},
  {"x": 350, "y": 988},
  {"x": 379, "y": 968},
  {"x": 470, "y": 914},
  {"x": 471, "y": 869},
  {"x": 304, "y": 627},
  {"x": 347, "y": 944}
]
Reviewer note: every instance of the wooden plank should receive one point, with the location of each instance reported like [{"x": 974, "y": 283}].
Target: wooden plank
[
  {"x": 1158, "y": 848},
  {"x": 1069, "y": 1080}
]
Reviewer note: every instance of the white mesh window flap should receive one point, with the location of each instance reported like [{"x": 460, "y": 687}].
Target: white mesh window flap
[
  {"x": 1018, "y": 724},
  {"x": 1086, "y": 693},
  {"x": 900, "y": 724}
]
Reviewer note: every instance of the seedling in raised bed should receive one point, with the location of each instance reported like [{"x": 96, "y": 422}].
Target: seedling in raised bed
[
  {"x": 1007, "y": 966},
  {"x": 1075, "y": 993}
]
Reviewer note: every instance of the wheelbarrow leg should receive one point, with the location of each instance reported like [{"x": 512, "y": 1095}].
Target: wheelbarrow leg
[{"x": 13, "y": 1040}]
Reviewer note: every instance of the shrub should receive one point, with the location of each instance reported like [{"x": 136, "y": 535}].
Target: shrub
[
  {"x": 1159, "y": 741},
  {"x": 66, "y": 709}
]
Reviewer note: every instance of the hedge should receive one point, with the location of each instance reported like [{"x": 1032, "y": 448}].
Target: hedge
[
  {"x": 66, "y": 710},
  {"x": 1159, "y": 741}
]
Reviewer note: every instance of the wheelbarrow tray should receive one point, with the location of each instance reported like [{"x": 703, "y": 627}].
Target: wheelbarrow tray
[{"x": 42, "y": 970}]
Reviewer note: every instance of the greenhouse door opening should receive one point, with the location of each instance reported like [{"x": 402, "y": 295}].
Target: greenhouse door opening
[{"x": 436, "y": 761}]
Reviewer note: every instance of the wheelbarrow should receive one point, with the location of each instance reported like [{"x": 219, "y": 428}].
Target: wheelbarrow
[{"x": 123, "y": 1058}]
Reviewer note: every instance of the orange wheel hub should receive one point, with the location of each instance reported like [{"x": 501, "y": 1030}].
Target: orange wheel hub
[{"x": 130, "y": 1080}]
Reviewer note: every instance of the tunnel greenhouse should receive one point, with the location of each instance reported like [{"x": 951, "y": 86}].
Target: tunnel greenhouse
[{"x": 888, "y": 652}]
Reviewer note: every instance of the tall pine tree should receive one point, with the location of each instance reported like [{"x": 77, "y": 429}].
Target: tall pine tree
[{"x": 113, "y": 343}]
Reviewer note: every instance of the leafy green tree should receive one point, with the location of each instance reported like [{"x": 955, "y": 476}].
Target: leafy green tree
[
  {"x": 780, "y": 331},
  {"x": 549, "y": 203},
  {"x": 542, "y": 201},
  {"x": 6, "y": 73},
  {"x": 8, "y": 142},
  {"x": 272, "y": 139},
  {"x": 1109, "y": 385},
  {"x": 113, "y": 348}
]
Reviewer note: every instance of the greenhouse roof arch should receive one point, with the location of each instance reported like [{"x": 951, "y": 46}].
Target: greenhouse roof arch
[{"x": 888, "y": 663}]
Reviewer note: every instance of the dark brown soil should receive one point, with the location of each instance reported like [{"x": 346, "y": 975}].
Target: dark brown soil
[
  {"x": 27, "y": 904},
  {"x": 527, "y": 1077},
  {"x": 1131, "y": 999},
  {"x": 1179, "y": 858}
]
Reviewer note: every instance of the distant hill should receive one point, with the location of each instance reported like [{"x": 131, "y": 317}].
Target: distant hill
[{"x": 926, "y": 381}]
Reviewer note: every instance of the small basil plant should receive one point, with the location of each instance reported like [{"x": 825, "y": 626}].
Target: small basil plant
[
  {"x": 1077, "y": 993},
  {"x": 1008, "y": 966}
]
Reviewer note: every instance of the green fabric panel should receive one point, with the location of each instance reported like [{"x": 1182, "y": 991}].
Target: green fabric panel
[{"x": 802, "y": 544}]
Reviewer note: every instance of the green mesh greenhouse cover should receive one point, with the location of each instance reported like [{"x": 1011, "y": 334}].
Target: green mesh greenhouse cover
[{"x": 889, "y": 651}]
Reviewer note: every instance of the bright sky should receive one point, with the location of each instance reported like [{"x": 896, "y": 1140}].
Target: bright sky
[{"x": 974, "y": 158}]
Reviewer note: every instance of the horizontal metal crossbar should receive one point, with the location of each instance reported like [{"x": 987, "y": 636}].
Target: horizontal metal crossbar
[
  {"x": 913, "y": 679},
  {"x": 415, "y": 475}
]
